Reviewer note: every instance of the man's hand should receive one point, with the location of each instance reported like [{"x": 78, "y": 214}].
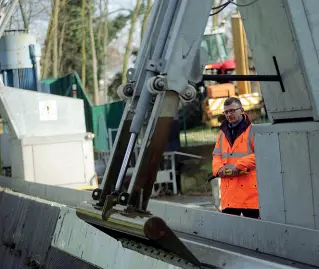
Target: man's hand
[
  {"x": 222, "y": 171},
  {"x": 235, "y": 172}
]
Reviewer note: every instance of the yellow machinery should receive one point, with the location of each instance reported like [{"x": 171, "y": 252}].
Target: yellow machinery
[{"x": 217, "y": 93}]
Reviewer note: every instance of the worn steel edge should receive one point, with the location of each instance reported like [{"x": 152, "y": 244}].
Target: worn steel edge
[
  {"x": 27, "y": 227},
  {"x": 258, "y": 239}
]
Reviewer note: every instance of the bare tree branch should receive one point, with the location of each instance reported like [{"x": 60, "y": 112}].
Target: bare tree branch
[
  {"x": 25, "y": 23},
  {"x": 83, "y": 46}
]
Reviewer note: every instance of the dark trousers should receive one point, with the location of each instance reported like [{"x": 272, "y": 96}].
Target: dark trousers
[{"x": 250, "y": 213}]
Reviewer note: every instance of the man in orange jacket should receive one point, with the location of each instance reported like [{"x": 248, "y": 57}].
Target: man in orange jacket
[{"x": 234, "y": 162}]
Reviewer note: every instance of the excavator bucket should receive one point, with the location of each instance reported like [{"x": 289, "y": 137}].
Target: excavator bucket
[{"x": 146, "y": 234}]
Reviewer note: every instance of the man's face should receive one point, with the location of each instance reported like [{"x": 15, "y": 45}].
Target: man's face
[{"x": 233, "y": 113}]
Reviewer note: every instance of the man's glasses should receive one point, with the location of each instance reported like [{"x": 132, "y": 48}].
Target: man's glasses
[{"x": 230, "y": 111}]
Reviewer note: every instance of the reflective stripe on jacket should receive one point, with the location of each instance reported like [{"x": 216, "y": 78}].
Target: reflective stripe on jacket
[{"x": 237, "y": 191}]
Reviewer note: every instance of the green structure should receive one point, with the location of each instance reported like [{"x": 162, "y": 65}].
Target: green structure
[{"x": 100, "y": 120}]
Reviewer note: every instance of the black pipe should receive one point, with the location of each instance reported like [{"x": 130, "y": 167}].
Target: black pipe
[
  {"x": 278, "y": 72},
  {"x": 228, "y": 78},
  {"x": 221, "y": 78}
]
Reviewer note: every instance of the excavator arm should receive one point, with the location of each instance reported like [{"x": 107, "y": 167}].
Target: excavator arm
[{"x": 169, "y": 62}]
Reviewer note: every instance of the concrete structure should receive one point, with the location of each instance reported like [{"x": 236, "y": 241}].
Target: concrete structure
[
  {"x": 36, "y": 232},
  {"x": 39, "y": 225}
]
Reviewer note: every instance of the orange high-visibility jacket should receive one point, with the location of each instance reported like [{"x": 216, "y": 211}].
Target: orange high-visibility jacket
[{"x": 237, "y": 191}]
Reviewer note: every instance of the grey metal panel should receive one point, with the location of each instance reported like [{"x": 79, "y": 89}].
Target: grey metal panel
[
  {"x": 5, "y": 144},
  {"x": 284, "y": 115},
  {"x": 57, "y": 194},
  {"x": 47, "y": 216},
  {"x": 296, "y": 179},
  {"x": 269, "y": 177},
  {"x": 269, "y": 34},
  {"x": 27, "y": 233},
  {"x": 23, "y": 111},
  {"x": 27, "y": 239},
  {"x": 312, "y": 10},
  {"x": 26, "y": 230},
  {"x": 286, "y": 127},
  {"x": 314, "y": 157},
  {"x": 10, "y": 213},
  {"x": 286, "y": 241},
  {"x": 231, "y": 257},
  {"x": 304, "y": 21}
]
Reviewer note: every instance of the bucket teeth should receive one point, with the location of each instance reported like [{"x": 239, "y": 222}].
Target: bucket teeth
[{"x": 143, "y": 233}]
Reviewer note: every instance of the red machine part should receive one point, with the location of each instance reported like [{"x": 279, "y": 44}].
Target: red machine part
[{"x": 223, "y": 67}]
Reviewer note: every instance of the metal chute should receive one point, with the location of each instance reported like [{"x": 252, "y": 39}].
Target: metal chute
[{"x": 140, "y": 232}]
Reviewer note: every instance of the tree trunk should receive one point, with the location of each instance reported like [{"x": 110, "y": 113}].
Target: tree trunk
[
  {"x": 55, "y": 37},
  {"x": 105, "y": 46},
  {"x": 24, "y": 18},
  {"x": 47, "y": 50},
  {"x": 145, "y": 19},
  {"x": 100, "y": 28},
  {"x": 94, "y": 59},
  {"x": 83, "y": 47},
  {"x": 129, "y": 41},
  {"x": 61, "y": 45}
]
